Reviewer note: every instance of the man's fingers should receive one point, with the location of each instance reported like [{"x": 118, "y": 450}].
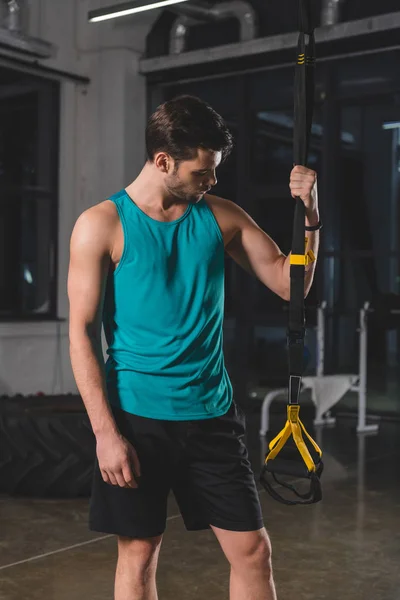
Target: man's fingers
[
  {"x": 135, "y": 462},
  {"x": 124, "y": 479},
  {"x": 109, "y": 477},
  {"x": 129, "y": 477},
  {"x": 301, "y": 169},
  {"x": 121, "y": 481},
  {"x": 303, "y": 178},
  {"x": 105, "y": 477}
]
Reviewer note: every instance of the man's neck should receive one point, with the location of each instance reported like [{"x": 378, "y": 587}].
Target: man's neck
[{"x": 146, "y": 191}]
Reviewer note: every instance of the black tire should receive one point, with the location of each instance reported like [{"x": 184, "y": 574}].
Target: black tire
[{"x": 47, "y": 447}]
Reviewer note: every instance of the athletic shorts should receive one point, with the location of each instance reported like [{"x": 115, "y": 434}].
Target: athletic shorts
[{"x": 205, "y": 464}]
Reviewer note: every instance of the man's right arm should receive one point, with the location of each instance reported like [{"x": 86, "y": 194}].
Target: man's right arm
[
  {"x": 90, "y": 252},
  {"x": 91, "y": 249}
]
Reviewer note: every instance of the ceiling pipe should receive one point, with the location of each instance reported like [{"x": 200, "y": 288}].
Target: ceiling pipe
[
  {"x": 330, "y": 14},
  {"x": 13, "y": 18},
  {"x": 12, "y": 36},
  {"x": 193, "y": 14}
]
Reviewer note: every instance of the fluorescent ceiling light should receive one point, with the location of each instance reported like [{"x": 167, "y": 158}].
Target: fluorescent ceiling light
[
  {"x": 128, "y": 8},
  {"x": 393, "y": 125}
]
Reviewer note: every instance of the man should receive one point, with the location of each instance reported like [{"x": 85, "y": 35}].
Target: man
[{"x": 149, "y": 264}]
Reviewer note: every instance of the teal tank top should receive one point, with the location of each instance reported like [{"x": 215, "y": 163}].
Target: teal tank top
[{"x": 163, "y": 316}]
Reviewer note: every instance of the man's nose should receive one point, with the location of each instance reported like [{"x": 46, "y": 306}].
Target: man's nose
[{"x": 213, "y": 180}]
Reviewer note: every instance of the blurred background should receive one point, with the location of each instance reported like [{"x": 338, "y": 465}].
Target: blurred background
[
  {"x": 72, "y": 132},
  {"x": 74, "y": 99}
]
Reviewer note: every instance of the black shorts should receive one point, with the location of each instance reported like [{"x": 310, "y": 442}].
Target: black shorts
[{"x": 205, "y": 463}]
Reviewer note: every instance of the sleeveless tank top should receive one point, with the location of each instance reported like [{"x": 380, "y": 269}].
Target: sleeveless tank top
[{"x": 163, "y": 316}]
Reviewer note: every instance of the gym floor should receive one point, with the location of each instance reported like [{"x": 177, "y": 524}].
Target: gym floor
[{"x": 345, "y": 547}]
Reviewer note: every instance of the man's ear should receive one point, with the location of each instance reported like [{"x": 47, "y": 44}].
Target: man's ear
[{"x": 163, "y": 162}]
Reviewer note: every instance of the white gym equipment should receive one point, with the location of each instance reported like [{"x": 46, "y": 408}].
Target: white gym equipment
[{"x": 327, "y": 390}]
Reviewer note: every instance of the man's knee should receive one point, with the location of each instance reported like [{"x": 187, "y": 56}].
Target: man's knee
[
  {"x": 263, "y": 552},
  {"x": 141, "y": 554},
  {"x": 255, "y": 554}
]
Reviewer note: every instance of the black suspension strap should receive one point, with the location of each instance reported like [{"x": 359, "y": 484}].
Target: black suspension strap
[{"x": 290, "y": 454}]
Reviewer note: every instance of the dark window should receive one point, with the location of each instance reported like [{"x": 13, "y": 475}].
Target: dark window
[{"x": 29, "y": 116}]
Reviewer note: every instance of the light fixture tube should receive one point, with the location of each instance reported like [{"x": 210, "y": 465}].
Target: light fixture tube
[{"x": 128, "y": 8}]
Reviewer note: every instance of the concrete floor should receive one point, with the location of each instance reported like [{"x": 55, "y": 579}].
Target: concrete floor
[{"x": 347, "y": 547}]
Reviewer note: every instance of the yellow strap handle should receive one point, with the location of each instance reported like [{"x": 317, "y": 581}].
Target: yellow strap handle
[
  {"x": 294, "y": 427},
  {"x": 280, "y": 440},
  {"x": 301, "y": 446},
  {"x": 313, "y": 442}
]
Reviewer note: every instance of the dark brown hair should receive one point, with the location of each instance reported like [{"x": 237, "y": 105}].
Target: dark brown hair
[{"x": 182, "y": 125}]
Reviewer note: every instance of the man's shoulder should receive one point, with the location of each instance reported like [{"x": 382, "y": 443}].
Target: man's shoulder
[
  {"x": 227, "y": 213},
  {"x": 226, "y": 209},
  {"x": 97, "y": 224},
  {"x": 101, "y": 214},
  {"x": 218, "y": 202}
]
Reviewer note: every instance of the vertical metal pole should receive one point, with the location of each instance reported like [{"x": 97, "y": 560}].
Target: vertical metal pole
[
  {"x": 362, "y": 426},
  {"x": 321, "y": 339},
  {"x": 360, "y": 510},
  {"x": 362, "y": 392},
  {"x": 393, "y": 337},
  {"x": 394, "y": 212}
]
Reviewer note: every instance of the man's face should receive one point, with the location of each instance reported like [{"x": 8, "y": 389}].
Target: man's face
[{"x": 193, "y": 178}]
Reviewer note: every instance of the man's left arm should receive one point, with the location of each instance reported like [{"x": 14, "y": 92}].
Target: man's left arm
[
  {"x": 257, "y": 253},
  {"x": 303, "y": 184}
]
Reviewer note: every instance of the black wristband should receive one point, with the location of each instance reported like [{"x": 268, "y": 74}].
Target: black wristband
[{"x": 315, "y": 227}]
